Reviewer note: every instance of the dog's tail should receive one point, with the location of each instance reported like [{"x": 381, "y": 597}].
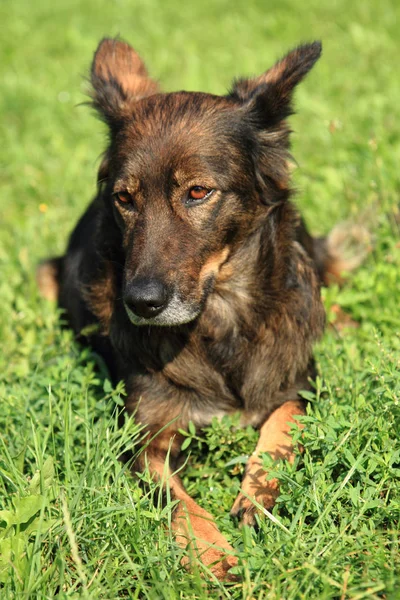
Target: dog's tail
[
  {"x": 347, "y": 246},
  {"x": 48, "y": 277},
  {"x": 341, "y": 251}
]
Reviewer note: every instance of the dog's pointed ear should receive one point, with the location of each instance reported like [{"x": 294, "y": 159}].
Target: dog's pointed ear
[
  {"x": 269, "y": 97},
  {"x": 265, "y": 102},
  {"x": 119, "y": 79}
]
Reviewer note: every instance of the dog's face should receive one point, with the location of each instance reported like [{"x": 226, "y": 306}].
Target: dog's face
[
  {"x": 183, "y": 195},
  {"x": 187, "y": 174}
]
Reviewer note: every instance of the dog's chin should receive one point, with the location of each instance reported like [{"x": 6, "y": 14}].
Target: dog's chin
[{"x": 175, "y": 314}]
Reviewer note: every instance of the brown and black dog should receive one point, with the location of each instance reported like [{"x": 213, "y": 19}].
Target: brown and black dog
[{"x": 198, "y": 269}]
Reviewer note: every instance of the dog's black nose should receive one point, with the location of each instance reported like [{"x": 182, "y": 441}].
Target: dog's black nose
[{"x": 146, "y": 297}]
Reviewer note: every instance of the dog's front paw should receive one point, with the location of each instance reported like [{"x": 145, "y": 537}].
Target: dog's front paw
[
  {"x": 245, "y": 509},
  {"x": 196, "y": 531},
  {"x": 218, "y": 561}
]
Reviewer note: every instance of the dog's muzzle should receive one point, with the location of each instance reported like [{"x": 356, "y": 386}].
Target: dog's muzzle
[{"x": 150, "y": 302}]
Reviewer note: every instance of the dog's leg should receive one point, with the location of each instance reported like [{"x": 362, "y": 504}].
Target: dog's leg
[
  {"x": 274, "y": 439},
  {"x": 48, "y": 276},
  {"x": 194, "y": 528}
]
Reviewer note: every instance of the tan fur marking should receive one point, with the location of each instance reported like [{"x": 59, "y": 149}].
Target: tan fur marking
[
  {"x": 46, "y": 277},
  {"x": 193, "y": 527},
  {"x": 213, "y": 265},
  {"x": 196, "y": 531},
  {"x": 275, "y": 440}
]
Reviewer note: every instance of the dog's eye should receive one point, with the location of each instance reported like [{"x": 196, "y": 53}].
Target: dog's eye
[
  {"x": 197, "y": 193},
  {"x": 123, "y": 197}
]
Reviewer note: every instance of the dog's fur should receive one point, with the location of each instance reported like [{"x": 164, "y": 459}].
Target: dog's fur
[{"x": 238, "y": 273}]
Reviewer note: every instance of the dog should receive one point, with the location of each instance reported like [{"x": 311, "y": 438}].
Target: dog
[{"x": 195, "y": 272}]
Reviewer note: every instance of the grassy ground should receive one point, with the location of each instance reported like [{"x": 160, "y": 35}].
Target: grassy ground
[{"x": 72, "y": 522}]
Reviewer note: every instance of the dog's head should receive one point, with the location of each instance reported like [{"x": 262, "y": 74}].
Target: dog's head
[{"x": 187, "y": 174}]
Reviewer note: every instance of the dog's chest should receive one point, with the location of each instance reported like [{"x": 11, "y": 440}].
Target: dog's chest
[
  {"x": 232, "y": 365},
  {"x": 217, "y": 370}
]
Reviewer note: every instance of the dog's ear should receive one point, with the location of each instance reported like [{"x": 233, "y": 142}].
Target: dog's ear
[
  {"x": 119, "y": 78},
  {"x": 266, "y": 102},
  {"x": 269, "y": 97}
]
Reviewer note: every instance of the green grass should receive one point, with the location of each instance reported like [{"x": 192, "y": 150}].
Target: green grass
[{"x": 72, "y": 522}]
